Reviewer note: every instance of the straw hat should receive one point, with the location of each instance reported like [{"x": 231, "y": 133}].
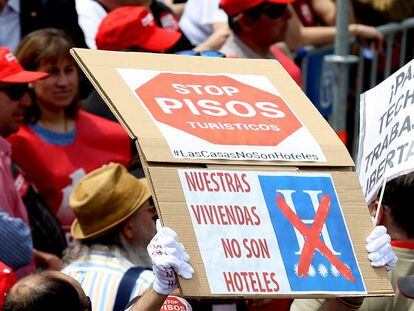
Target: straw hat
[{"x": 105, "y": 198}]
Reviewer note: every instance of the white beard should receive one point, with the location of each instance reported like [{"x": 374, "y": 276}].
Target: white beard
[{"x": 138, "y": 255}]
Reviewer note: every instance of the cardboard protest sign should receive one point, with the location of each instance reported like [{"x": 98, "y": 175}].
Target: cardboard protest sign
[
  {"x": 244, "y": 118},
  {"x": 224, "y": 116},
  {"x": 271, "y": 232},
  {"x": 210, "y": 109},
  {"x": 386, "y": 147}
]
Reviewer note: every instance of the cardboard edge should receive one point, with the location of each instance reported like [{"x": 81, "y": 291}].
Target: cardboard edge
[{"x": 101, "y": 92}]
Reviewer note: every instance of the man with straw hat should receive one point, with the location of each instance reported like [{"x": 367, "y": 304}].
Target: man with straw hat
[{"x": 114, "y": 224}]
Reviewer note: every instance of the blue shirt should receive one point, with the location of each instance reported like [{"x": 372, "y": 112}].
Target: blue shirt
[
  {"x": 60, "y": 139},
  {"x": 15, "y": 241},
  {"x": 10, "y": 25}
]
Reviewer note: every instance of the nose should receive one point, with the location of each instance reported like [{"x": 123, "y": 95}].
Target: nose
[
  {"x": 25, "y": 101},
  {"x": 62, "y": 79}
]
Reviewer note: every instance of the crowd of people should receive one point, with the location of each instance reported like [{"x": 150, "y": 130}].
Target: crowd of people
[{"x": 77, "y": 222}]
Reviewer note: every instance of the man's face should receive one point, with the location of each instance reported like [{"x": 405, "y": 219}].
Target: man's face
[
  {"x": 270, "y": 25},
  {"x": 14, "y": 99},
  {"x": 142, "y": 224}
]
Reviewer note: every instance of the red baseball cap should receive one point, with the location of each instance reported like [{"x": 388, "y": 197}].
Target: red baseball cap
[
  {"x": 133, "y": 26},
  {"x": 235, "y": 7},
  {"x": 12, "y": 72}
]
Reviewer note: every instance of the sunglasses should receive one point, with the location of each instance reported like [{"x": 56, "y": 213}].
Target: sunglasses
[
  {"x": 276, "y": 10},
  {"x": 273, "y": 11},
  {"x": 15, "y": 91}
]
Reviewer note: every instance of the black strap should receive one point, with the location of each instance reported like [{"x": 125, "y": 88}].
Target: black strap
[{"x": 125, "y": 287}]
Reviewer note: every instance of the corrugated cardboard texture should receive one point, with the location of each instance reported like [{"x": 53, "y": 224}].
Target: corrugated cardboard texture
[
  {"x": 100, "y": 67},
  {"x": 161, "y": 167},
  {"x": 174, "y": 214}
]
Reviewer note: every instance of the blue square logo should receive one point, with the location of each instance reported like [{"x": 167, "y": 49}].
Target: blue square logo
[{"x": 310, "y": 229}]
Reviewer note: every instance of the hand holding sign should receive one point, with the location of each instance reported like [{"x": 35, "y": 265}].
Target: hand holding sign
[
  {"x": 168, "y": 258},
  {"x": 379, "y": 249}
]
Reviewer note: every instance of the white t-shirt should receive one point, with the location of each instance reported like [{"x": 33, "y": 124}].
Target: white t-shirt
[
  {"x": 90, "y": 15},
  {"x": 198, "y": 19}
]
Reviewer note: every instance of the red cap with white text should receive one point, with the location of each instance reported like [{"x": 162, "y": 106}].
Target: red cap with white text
[{"x": 12, "y": 72}]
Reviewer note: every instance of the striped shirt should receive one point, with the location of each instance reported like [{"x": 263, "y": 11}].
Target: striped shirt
[
  {"x": 15, "y": 241},
  {"x": 100, "y": 275}
]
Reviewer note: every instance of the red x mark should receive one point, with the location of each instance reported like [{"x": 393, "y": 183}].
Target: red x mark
[{"x": 311, "y": 235}]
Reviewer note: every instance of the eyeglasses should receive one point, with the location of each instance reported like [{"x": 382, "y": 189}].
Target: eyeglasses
[
  {"x": 273, "y": 11},
  {"x": 15, "y": 91},
  {"x": 202, "y": 53}
]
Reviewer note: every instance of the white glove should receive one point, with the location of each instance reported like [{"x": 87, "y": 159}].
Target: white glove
[
  {"x": 379, "y": 249},
  {"x": 168, "y": 258}
]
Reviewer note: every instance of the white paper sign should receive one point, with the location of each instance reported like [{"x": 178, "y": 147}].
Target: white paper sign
[
  {"x": 386, "y": 147},
  {"x": 256, "y": 233},
  {"x": 222, "y": 116}
]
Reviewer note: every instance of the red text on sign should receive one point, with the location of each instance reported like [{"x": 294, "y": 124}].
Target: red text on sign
[
  {"x": 217, "y": 181},
  {"x": 250, "y": 248},
  {"x": 225, "y": 215},
  {"x": 253, "y": 282}
]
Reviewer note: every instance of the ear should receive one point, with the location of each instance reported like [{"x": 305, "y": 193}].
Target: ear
[
  {"x": 373, "y": 208},
  {"x": 127, "y": 230}
]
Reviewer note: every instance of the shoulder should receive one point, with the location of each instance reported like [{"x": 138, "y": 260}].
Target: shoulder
[
  {"x": 24, "y": 135},
  {"x": 85, "y": 118}
]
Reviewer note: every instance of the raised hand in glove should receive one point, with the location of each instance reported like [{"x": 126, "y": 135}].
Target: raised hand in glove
[
  {"x": 168, "y": 259},
  {"x": 379, "y": 249}
]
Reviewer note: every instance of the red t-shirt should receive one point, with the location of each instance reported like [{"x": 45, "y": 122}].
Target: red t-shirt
[
  {"x": 289, "y": 65},
  {"x": 7, "y": 280},
  {"x": 55, "y": 169}
]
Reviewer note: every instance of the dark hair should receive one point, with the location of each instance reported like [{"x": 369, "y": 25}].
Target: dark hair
[
  {"x": 48, "y": 45},
  {"x": 398, "y": 196},
  {"x": 43, "y": 292}
]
